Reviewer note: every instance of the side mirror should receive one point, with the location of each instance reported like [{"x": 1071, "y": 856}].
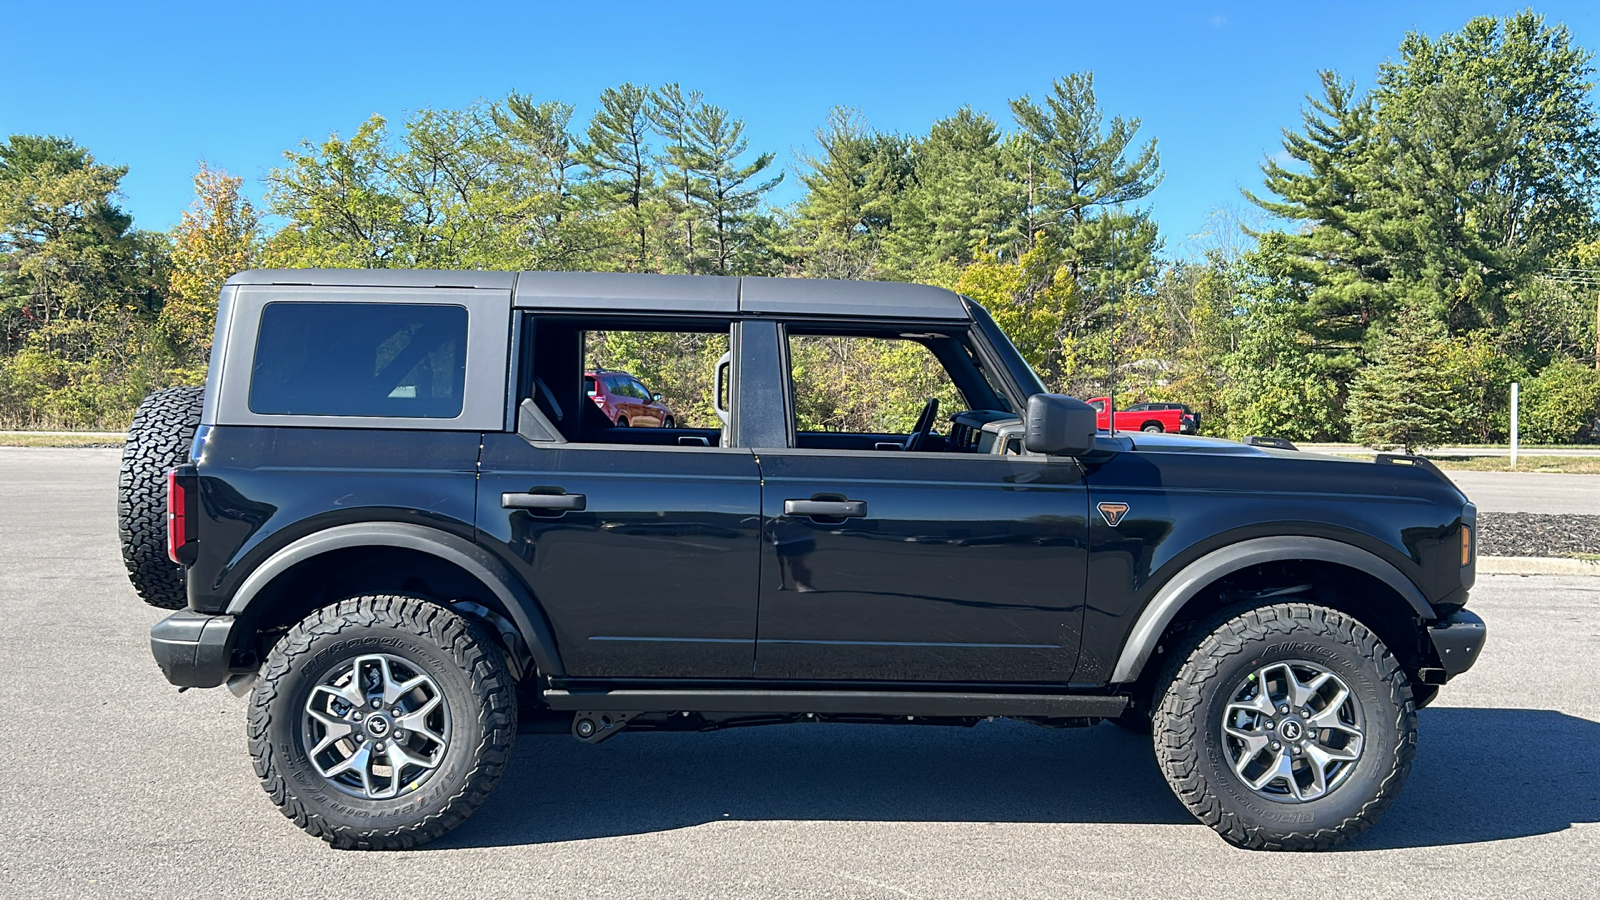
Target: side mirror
[
  {"x": 656, "y": 397},
  {"x": 1059, "y": 425}
]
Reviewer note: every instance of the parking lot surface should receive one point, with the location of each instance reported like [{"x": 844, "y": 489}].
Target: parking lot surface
[{"x": 114, "y": 785}]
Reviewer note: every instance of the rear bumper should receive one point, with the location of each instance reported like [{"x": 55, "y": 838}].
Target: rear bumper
[
  {"x": 1457, "y": 641},
  {"x": 194, "y": 649}
]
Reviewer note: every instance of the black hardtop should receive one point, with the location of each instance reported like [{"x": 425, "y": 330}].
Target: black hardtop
[{"x": 639, "y": 292}]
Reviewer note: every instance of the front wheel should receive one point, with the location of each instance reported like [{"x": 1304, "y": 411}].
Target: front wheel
[
  {"x": 1289, "y": 727},
  {"x": 382, "y": 722}
]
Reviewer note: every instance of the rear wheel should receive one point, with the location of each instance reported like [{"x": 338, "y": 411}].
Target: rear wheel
[
  {"x": 158, "y": 440},
  {"x": 1289, "y": 727},
  {"x": 1152, "y": 427},
  {"x": 382, "y": 722}
]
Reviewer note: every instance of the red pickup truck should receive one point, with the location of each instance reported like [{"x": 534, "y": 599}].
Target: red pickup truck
[{"x": 1174, "y": 417}]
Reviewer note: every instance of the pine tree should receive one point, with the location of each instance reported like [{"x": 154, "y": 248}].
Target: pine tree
[
  {"x": 1085, "y": 160},
  {"x": 618, "y": 157},
  {"x": 684, "y": 163},
  {"x": 962, "y": 198},
  {"x": 1406, "y": 396},
  {"x": 730, "y": 194},
  {"x": 854, "y": 186}
]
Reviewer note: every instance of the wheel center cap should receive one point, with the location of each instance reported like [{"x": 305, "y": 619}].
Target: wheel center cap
[
  {"x": 377, "y": 726},
  {"x": 1291, "y": 729}
]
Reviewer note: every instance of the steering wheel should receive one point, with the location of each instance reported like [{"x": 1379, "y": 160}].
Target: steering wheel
[{"x": 924, "y": 426}]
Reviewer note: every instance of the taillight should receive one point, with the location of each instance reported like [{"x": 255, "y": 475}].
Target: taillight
[
  {"x": 177, "y": 520},
  {"x": 180, "y": 538}
]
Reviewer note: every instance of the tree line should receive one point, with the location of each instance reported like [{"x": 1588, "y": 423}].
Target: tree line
[{"x": 1414, "y": 248}]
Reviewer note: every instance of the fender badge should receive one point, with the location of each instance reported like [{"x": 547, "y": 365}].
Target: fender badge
[{"x": 1113, "y": 513}]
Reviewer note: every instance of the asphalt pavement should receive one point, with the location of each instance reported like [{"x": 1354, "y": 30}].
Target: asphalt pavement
[{"x": 114, "y": 785}]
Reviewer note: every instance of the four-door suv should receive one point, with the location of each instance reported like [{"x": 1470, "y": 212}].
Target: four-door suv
[
  {"x": 625, "y": 400},
  {"x": 394, "y": 519}
]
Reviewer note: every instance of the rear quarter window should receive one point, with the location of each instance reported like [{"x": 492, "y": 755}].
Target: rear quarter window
[{"x": 402, "y": 360}]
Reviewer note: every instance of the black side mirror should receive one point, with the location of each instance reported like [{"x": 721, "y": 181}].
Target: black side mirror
[
  {"x": 656, "y": 397},
  {"x": 1059, "y": 425}
]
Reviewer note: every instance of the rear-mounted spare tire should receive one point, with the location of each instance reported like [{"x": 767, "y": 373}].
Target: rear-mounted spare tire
[{"x": 158, "y": 440}]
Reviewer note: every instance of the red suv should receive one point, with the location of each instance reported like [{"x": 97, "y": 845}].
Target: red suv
[{"x": 625, "y": 400}]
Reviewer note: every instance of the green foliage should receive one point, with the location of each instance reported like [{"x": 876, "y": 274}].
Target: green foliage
[
  {"x": 1277, "y": 384},
  {"x": 1436, "y": 239},
  {"x": 1404, "y": 397},
  {"x": 1561, "y": 404},
  {"x": 78, "y": 288},
  {"x": 217, "y": 237},
  {"x": 865, "y": 385}
]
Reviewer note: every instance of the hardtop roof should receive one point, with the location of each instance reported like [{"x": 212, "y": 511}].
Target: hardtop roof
[{"x": 638, "y": 292}]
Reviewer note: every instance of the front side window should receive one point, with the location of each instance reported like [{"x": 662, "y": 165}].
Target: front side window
[
  {"x": 392, "y": 360},
  {"x": 865, "y": 385}
]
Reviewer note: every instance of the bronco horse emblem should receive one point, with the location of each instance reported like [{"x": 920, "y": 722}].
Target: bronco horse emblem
[{"x": 1113, "y": 513}]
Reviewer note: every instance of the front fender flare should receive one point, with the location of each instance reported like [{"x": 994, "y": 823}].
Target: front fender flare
[
  {"x": 1194, "y": 577},
  {"x": 471, "y": 558}
]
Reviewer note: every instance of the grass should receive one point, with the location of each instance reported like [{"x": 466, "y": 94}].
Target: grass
[
  {"x": 58, "y": 440},
  {"x": 1563, "y": 465},
  {"x": 1569, "y": 465}
]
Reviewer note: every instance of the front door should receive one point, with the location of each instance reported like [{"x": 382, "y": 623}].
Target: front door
[
  {"x": 888, "y": 558},
  {"x": 921, "y": 567}
]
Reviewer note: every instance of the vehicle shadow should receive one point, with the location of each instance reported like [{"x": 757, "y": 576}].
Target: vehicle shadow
[
  {"x": 1493, "y": 774},
  {"x": 1481, "y": 774}
]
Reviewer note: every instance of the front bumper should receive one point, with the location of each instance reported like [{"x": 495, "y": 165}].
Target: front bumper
[
  {"x": 1457, "y": 640},
  {"x": 194, "y": 649}
]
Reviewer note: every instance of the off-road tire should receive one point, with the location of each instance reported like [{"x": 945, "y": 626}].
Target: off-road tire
[
  {"x": 159, "y": 439},
  {"x": 1189, "y": 744},
  {"x": 479, "y": 691}
]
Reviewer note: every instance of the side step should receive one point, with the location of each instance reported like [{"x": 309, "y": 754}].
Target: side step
[{"x": 869, "y": 703}]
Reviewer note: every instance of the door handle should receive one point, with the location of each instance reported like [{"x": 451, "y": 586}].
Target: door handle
[
  {"x": 838, "y": 509},
  {"x": 550, "y": 502}
]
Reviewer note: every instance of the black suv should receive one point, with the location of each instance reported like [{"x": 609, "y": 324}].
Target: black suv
[{"x": 401, "y": 527}]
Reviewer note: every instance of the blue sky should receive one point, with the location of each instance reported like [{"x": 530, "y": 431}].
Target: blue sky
[{"x": 157, "y": 87}]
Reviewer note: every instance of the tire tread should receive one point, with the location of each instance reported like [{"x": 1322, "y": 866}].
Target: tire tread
[
  {"x": 461, "y": 638},
  {"x": 1177, "y": 721}
]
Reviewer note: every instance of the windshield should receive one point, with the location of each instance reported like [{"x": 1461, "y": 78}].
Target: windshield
[{"x": 1015, "y": 365}]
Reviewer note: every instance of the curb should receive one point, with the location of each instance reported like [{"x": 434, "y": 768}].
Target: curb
[{"x": 1536, "y": 565}]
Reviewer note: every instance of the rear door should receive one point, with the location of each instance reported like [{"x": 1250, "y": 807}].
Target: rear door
[{"x": 643, "y": 556}]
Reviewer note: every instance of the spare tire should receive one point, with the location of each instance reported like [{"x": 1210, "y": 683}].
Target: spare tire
[{"x": 158, "y": 440}]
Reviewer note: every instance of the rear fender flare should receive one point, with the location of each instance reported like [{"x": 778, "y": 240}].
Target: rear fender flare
[
  {"x": 525, "y": 611},
  {"x": 1196, "y": 576}
]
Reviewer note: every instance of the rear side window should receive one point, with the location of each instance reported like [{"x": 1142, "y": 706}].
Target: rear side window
[{"x": 402, "y": 360}]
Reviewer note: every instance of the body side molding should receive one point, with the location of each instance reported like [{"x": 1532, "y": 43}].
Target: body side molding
[
  {"x": 1194, "y": 577},
  {"x": 448, "y": 547}
]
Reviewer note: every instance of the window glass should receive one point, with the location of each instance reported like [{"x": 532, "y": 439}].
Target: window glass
[
  {"x": 360, "y": 359},
  {"x": 680, "y": 365},
  {"x": 866, "y": 385},
  {"x": 589, "y": 387}
]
